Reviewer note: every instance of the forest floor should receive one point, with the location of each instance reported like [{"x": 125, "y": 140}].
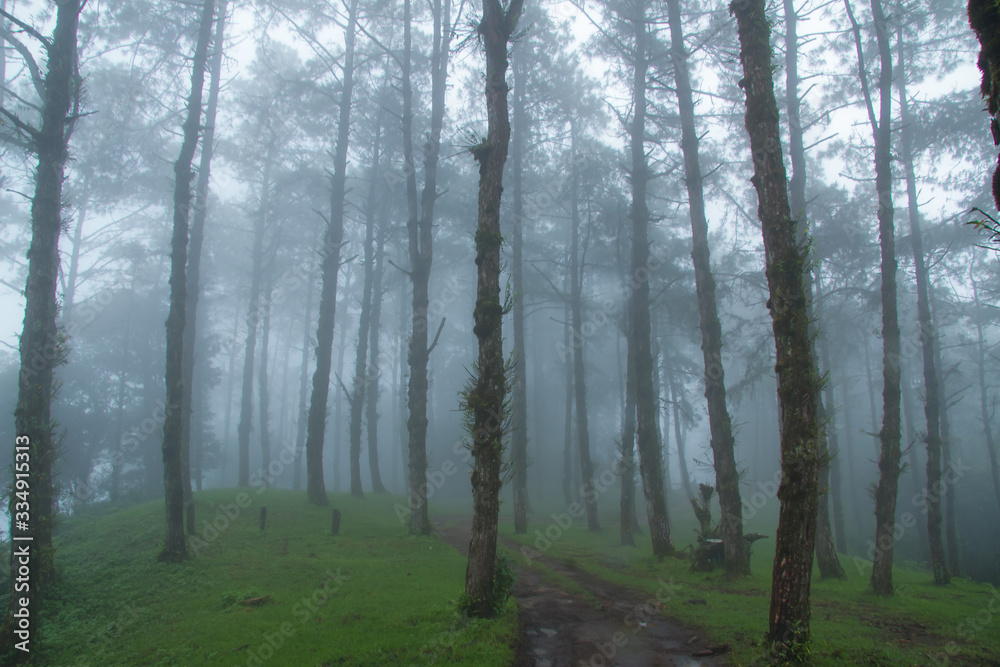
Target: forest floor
[{"x": 569, "y": 617}]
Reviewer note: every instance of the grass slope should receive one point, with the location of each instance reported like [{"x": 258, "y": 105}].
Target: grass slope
[{"x": 372, "y": 595}]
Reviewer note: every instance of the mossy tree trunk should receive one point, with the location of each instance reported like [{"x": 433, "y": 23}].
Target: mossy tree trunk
[
  {"x": 798, "y": 385},
  {"x": 485, "y": 400},
  {"x": 174, "y": 548},
  {"x": 41, "y": 344}
]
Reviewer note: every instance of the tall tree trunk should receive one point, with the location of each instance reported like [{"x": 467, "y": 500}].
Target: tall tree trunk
[
  {"x": 175, "y": 548},
  {"x": 676, "y": 396},
  {"x": 230, "y": 385},
  {"x": 73, "y": 274},
  {"x": 579, "y": 371},
  {"x": 315, "y": 487},
  {"x": 798, "y": 386},
  {"x": 300, "y": 435},
  {"x": 567, "y": 482},
  {"x": 628, "y": 447},
  {"x": 723, "y": 443},
  {"x": 911, "y": 439},
  {"x": 647, "y": 433},
  {"x": 193, "y": 276},
  {"x": 889, "y": 436},
  {"x": 833, "y": 452},
  {"x": 519, "y": 399},
  {"x": 986, "y": 407},
  {"x": 41, "y": 345},
  {"x": 263, "y": 387},
  {"x": 486, "y": 399},
  {"x": 371, "y": 406},
  {"x": 928, "y": 333},
  {"x": 826, "y": 552},
  {"x": 950, "y": 508},
  {"x": 420, "y": 233},
  {"x": 360, "y": 388},
  {"x": 253, "y": 322}
]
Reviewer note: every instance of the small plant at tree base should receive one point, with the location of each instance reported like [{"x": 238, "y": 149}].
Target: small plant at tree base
[{"x": 504, "y": 579}]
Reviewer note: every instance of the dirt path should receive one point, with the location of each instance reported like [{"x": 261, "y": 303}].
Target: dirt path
[{"x": 609, "y": 626}]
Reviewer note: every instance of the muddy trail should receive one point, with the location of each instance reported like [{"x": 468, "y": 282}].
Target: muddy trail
[{"x": 608, "y": 625}]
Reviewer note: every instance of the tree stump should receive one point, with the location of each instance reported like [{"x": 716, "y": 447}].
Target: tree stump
[
  {"x": 263, "y": 518},
  {"x": 336, "y": 522}
]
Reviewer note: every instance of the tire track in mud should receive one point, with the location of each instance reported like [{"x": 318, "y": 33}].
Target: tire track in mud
[{"x": 613, "y": 627}]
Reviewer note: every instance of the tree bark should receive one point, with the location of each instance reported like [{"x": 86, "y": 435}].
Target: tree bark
[
  {"x": 315, "y": 486},
  {"x": 300, "y": 435},
  {"x": 253, "y": 318},
  {"x": 263, "y": 388},
  {"x": 798, "y": 386},
  {"x": 420, "y": 233},
  {"x": 833, "y": 452},
  {"x": 579, "y": 370},
  {"x": 371, "y": 406},
  {"x": 197, "y": 240},
  {"x": 485, "y": 400},
  {"x": 41, "y": 344},
  {"x": 360, "y": 387},
  {"x": 647, "y": 433},
  {"x": 567, "y": 481},
  {"x": 889, "y": 436},
  {"x": 628, "y": 447},
  {"x": 519, "y": 399},
  {"x": 723, "y": 443},
  {"x": 928, "y": 331},
  {"x": 174, "y": 548}
]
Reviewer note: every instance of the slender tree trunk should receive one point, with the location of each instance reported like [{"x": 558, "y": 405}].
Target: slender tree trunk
[
  {"x": 798, "y": 386},
  {"x": 300, "y": 436},
  {"x": 950, "y": 508},
  {"x": 339, "y": 399},
  {"x": 856, "y": 485},
  {"x": 519, "y": 399},
  {"x": 175, "y": 548},
  {"x": 41, "y": 345},
  {"x": 315, "y": 486},
  {"x": 568, "y": 423},
  {"x": 72, "y": 275},
  {"x": 628, "y": 447},
  {"x": 420, "y": 232},
  {"x": 928, "y": 332},
  {"x": 911, "y": 439},
  {"x": 720, "y": 425},
  {"x": 263, "y": 388},
  {"x": 647, "y": 434},
  {"x": 374, "y": 364},
  {"x": 834, "y": 465},
  {"x": 253, "y": 319},
  {"x": 360, "y": 387},
  {"x": 230, "y": 385},
  {"x": 889, "y": 436},
  {"x": 826, "y": 553},
  {"x": 193, "y": 276},
  {"x": 579, "y": 371},
  {"x": 675, "y": 399},
  {"x": 486, "y": 399}
]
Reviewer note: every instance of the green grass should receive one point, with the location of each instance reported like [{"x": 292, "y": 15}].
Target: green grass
[
  {"x": 924, "y": 624},
  {"x": 372, "y": 595}
]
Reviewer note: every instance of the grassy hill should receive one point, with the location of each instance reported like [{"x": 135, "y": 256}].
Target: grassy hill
[{"x": 291, "y": 595}]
